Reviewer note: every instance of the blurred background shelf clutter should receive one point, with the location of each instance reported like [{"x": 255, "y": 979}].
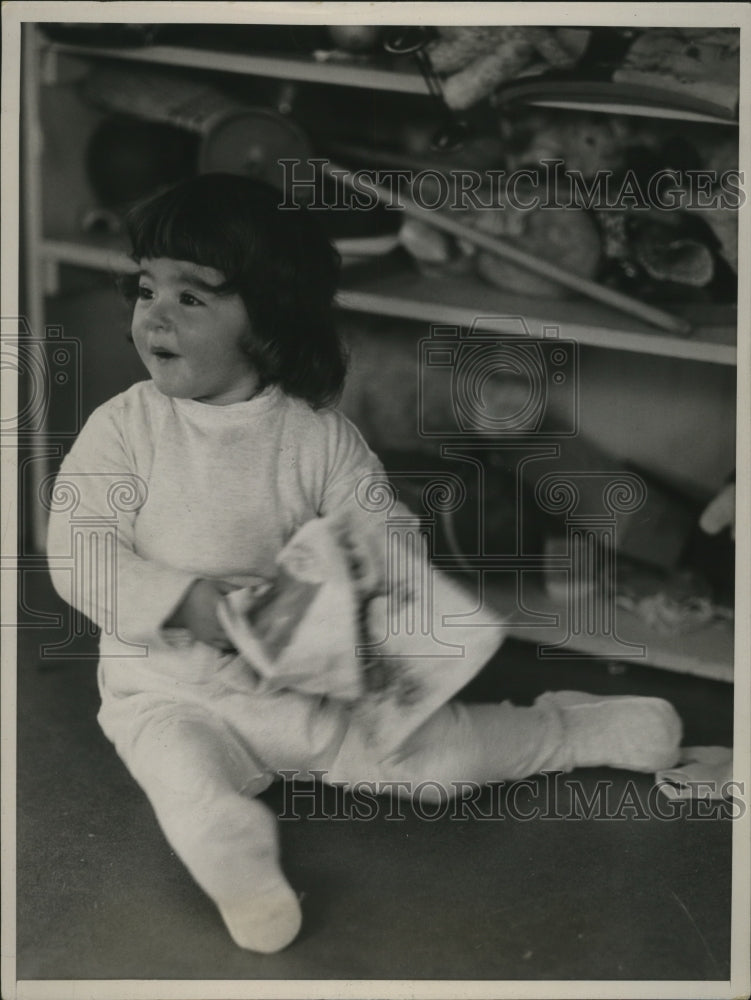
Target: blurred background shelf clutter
[
  {"x": 115, "y": 112},
  {"x": 192, "y": 102}
]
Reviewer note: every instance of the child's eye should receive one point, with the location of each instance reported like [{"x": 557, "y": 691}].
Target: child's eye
[
  {"x": 187, "y": 299},
  {"x": 144, "y": 292}
]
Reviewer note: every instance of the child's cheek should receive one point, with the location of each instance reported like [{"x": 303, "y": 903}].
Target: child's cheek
[{"x": 139, "y": 337}]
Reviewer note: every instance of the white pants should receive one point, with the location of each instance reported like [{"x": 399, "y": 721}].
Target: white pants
[{"x": 201, "y": 740}]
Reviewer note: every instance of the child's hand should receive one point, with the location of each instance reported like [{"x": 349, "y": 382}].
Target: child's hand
[{"x": 198, "y": 613}]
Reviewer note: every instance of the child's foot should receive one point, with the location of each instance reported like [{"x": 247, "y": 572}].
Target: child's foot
[
  {"x": 261, "y": 911},
  {"x": 624, "y": 731},
  {"x": 267, "y": 921}
]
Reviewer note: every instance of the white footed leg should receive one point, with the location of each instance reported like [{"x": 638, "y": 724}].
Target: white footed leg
[
  {"x": 198, "y": 779},
  {"x": 261, "y": 911},
  {"x": 484, "y": 743},
  {"x": 459, "y": 743}
]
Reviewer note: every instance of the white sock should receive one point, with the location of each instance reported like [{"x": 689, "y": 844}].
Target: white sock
[
  {"x": 266, "y": 920},
  {"x": 624, "y": 731},
  {"x": 245, "y": 879}
]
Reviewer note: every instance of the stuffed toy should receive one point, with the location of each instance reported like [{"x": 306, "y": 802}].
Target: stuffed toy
[
  {"x": 476, "y": 60},
  {"x": 702, "y": 63},
  {"x": 586, "y": 143}
]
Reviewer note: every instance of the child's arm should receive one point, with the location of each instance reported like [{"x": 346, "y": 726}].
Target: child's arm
[
  {"x": 352, "y": 472},
  {"x": 198, "y": 613},
  {"x": 90, "y": 544},
  {"x": 358, "y": 497}
]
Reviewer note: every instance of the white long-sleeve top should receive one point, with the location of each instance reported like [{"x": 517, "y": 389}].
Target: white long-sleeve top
[{"x": 157, "y": 492}]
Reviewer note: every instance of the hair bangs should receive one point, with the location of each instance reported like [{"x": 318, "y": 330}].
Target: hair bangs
[{"x": 175, "y": 225}]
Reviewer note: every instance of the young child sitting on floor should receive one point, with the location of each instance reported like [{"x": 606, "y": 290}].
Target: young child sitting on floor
[{"x": 210, "y": 467}]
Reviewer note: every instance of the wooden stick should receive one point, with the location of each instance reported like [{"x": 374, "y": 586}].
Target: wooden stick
[{"x": 608, "y": 296}]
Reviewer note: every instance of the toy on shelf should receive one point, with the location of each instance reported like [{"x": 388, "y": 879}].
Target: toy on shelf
[
  {"x": 233, "y": 136},
  {"x": 475, "y": 61},
  {"x": 565, "y": 236},
  {"x": 355, "y": 38},
  {"x": 697, "y": 62},
  {"x": 506, "y": 250}
]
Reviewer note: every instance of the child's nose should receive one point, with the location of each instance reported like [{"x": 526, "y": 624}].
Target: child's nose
[{"x": 160, "y": 315}]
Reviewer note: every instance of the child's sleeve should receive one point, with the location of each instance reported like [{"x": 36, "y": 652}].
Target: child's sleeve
[
  {"x": 93, "y": 506},
  {"x": 353, "y": 471},
  {"x": 360, "y": 502}
]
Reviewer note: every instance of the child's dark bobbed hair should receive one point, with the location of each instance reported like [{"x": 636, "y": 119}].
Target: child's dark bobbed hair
[{"x": 278, "y": 260}]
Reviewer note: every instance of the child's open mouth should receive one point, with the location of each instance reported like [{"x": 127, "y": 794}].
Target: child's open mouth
[{"x": 162, "y": 355}]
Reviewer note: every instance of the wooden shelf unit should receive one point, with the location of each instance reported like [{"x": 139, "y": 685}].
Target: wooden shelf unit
[{"x": 405, "y": 294}]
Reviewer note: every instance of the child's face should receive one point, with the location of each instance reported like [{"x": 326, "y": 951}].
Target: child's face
[{"x": 189, "y": 336}]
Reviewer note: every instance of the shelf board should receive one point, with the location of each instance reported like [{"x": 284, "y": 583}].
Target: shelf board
[
  {"x": 615, "y": 98},
  {"x": 384, "y": 290},
  {"x": 635, "y": 110},
  {"x": 105, "y": 254},
  {"x": 308, "y": 69},
  {"x": 706, "y": 652},
  {"x": 337, "y": 69},
  {"x": 463, "y": 301}
]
